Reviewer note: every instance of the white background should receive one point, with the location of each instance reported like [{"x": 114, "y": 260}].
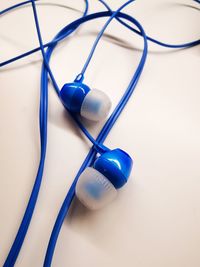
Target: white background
[{"x": 155, "y": 221}]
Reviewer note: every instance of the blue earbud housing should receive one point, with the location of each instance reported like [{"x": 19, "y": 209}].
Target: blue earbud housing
[
  {"x": 93, "y": 104},
  {"x": 116, "y": 165},
  {"x": 97, "y": 186},
  {"x": 73, "y": 94}
]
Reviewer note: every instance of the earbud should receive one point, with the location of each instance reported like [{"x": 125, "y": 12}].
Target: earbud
[
  {"x": 98, "y": 185},
  {"x": 93, "y": 104}
]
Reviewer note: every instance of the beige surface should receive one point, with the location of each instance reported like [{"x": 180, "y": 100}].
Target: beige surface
[{"x": 155, "y": 221}]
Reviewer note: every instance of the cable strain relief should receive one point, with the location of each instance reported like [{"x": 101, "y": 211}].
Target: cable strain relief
[{"x": 79, "y": 78}]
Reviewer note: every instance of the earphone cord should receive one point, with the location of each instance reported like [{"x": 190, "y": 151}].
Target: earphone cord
[
  {"x": 17, "y": 244},
  {"x": 89, "y": 160},
  {"x": 43, "y": 109},
  {"x": 98, "y": 147},
  {"x": 81, "y": 74},
  {"x": 69, "y": 197},
  {"x": 56, "y": 40}
]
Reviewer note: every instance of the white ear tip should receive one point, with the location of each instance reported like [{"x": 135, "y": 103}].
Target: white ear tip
[
  {"x": 94, "y": 190},
  {"x": 96, "y": 105}
]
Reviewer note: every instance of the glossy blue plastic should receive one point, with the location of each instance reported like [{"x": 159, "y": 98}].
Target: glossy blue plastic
[
  {"x": 116, "y": 165},
  {"x": 73, "y": 94},
  {"x": 43, "y": 120}
]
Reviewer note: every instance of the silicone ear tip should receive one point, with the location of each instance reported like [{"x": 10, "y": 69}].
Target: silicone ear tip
[
  {"x": 96, "y": 105},
  {"x": 94, "y": 190}
]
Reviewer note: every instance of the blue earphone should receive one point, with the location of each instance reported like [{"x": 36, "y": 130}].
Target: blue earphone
[
  {"x": 78, "y": 98},
  {"x": 98, "y": 185},
  {"x": 99, "y": 178}
]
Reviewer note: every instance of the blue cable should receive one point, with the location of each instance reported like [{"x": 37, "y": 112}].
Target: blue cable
[
  {"x": 91, "y": 156},
  {"x": 43, "y": 108},
  {"x": 15, "y": 6},
  {"x": 185, "y": 45},
  {"x": 56, "y": 40},
  {"x": 43, "y": 118},
  {"x": 100, "y": 148},
  {"x": 66, "y": 204},
  {"x": 98, "y": 38},
  {"x": 56, "y": 87},
  {"x": 17, "y": 244},
  {"x": 70, "y": 195},
  {"x": 81, "y": 75},
  {"x": 189, "y": 44}
]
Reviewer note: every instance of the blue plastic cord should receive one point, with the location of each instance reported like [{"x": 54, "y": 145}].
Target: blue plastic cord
[
  {"x": 43, "y": 110},
  {"x": 17, "y": 244},
  {"x": 43, "y": 105},
  {"x": 91, "y": 156},
  {"x": 15, "y": 6},
  {"x": 87, "y": 162},
  {"x": 56, "y": 87},
  {"x": 99, "y": 37},
  {"x": 100, "y": 148},
  {"x": 4, "y": 63},
  {"x": 178, "y": 46},
  {"x": 189, "y": 44}
]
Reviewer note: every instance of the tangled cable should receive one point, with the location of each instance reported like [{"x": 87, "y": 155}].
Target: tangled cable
[{"x": 98, "y": 143}]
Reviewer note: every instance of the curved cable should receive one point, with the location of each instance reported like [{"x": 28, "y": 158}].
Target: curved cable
[
  {"x": 17, "y": 244},
  {"x": 13, "y": 59},
  {"x": 44, "y": 109},
  {"x": 6, "y": 10},
  {"x": 178, "y": 46},
  {"x": 99, "y": 148},
  {"x": 91, "y": 156},
  {"x": 99, "y": 37},
  {"x": 185, "y": 45}
]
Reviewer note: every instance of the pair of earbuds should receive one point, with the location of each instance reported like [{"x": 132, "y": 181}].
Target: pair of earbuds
[{"x": 97, "y": 186}]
